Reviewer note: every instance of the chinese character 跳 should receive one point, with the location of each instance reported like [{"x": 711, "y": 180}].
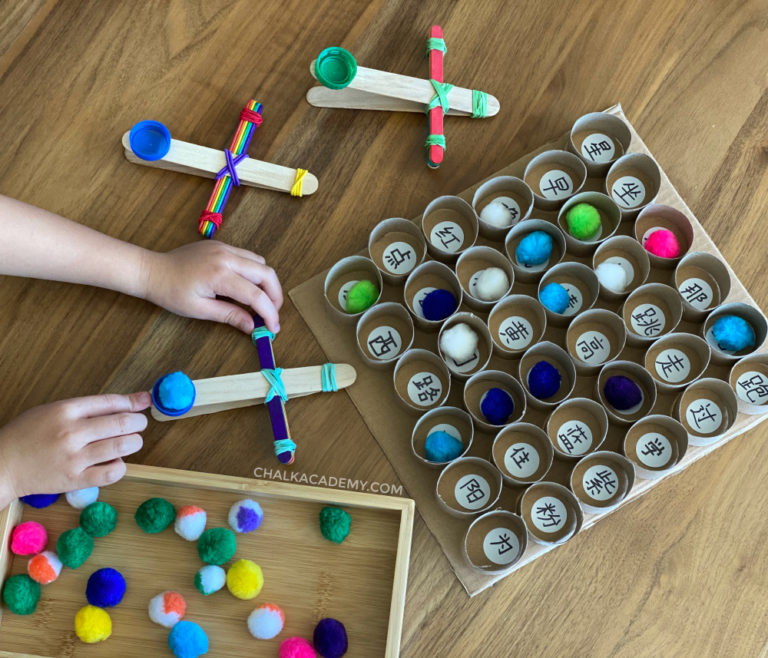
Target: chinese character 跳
[
  {"x": 547, "y": 515},
  {"x": 629, "y": 193},
  {"x": 474, "y": 491},
  {"x": 648, "y": 321},
  {"x": 503, "y": 543},
  {"x": 395, "y": 258},
  {"x": 381, "y": 345},
  {"x": 602, "y": 480},
  {"x": 427, "y": 392},
  {"x": 756, "y": 386}
]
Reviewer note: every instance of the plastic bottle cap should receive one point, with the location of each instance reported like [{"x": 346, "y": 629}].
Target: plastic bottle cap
[
  {"x": 335, "y": 67},
  {"x": 150, "y": 140},
  {"x": 164, "y": 410}
]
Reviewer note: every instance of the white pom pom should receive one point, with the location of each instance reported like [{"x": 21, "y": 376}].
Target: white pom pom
[
  {"x": 459, "y": 342},
  {"x": 502, "y": 212},
  {"x": 266, "y": 621},
  {"x": 167, "y": 609},
  {"x": 190, "y": 522},
  {"x": 210, "y": 579},
  {"x": 81, "y": 498},
  {"x": 491, "y": 284},
  {"x": 612, "y": 276}
]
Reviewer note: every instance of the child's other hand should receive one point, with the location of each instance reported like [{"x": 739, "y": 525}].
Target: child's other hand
[
  {"x": 70, "y": 444},
  {"x": 187, "y": 280}
]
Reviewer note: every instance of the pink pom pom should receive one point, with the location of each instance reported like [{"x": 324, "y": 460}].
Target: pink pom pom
[
  {"x": 296, "y": 647},
  {"x": 28, "y": 538},
  {"x": 662, "y": 243}
]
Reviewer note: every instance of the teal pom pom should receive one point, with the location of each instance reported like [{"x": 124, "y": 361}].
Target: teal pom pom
[
  {"x": 554, "y": 297},
  {"x": 442, "y": 447},
  {"x": 188, "y": 640},
  {"x": 175, "y": 391},
  {"x": 534, "y": 249},
  {"x": 733, "y": 334}
]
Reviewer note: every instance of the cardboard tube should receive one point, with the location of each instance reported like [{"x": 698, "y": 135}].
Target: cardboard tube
[
  {"x": 341, "y": 277},
  {"x": 479, "y": 384},
  {"x": 594, "y": 338},
  {"x": 657, "y": 216},
  {"x": 468, "y": 486},
  {"x": 469, "y": 269},
  {"x": 703, "y": 282},
  {"x": 512, "y": 194},
  {"x": 551, "y": 513},
  {"x": 610, "y": 218},
  {"x": 655, "y": 445},
  {"x": 748, "y": 313},
  {"x": 495, "y": 541},
  {"x": 577, "y": 427},
  {"x": 602, "y": 480},
  {"x": 450, "y": 226},
  {"x": 581, "y": 284},
  {"x": 530, "y": 273},
  {"x": 637, "y": 374},
  {"x": 515, "y": 323},
  {"x": 650, "y": 312},
  {"x": 424, "y": 279},
  {"x": 481, "y": 356},
  {"x": 556, "y": 356},
  {"x": 454, "y": 421},
  {"x": 749, "y": 380},
  {"x": 633, "y": 181},
  {"x": 397, "y": 246},
  {"x": 707, "y": 409},
  {"x": 676, "y": 360},
  {"x": 628, "y": 254},
  {"x": 599, "y": 139},
  {"x": 422, "y": 381},
  {"x": 384, "y": 333},
  {"x": 523, "y": 454},
  {"x": 554, "y": 176}
]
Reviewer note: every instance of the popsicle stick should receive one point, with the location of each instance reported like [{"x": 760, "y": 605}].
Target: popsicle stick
[
  {"x": 435, "y": 126},
  {"x": 203, "y": 161},
  {"x": 414, "y": 93}
]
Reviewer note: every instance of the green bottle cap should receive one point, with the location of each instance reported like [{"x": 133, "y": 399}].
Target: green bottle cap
[{"x": 335, "y": 67}]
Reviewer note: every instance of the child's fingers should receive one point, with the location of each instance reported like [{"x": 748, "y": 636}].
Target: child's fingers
[
  {"x": 108, "y": 403},
  {"x": 228, "y": 313},
  {"x": 263, "y": 276},
  {"x": 105, "y": 427},
  {"x": 244, "y": 253},
  {"x": 106, "y": 450},
  {"x": 246, "y": 293},
  {"x": 103, "y": 475}
]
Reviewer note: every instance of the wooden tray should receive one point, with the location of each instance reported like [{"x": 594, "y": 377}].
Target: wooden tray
[
  {"x": 374, "y": 395},
  {"x": 361, "y": 582}
]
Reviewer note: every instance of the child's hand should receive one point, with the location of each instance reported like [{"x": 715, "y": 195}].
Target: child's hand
[
  {"x": 187, "y": 281},
  {"x": 70, "y": 444}
]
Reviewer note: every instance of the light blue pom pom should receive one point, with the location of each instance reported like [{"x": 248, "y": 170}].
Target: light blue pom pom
[
  {"x": 442, "y": 447},
  {"x": 554, "y": 297},
  {"x": 534, "y": 249},
  {"x": 733, "y": 334}
]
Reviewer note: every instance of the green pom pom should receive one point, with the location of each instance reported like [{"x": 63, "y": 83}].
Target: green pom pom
[
  {"x": 98, "y": 519},
  {"x": 583, "y": 221},
  {"x": 361, "y": 296},
  {"x": 21, "y": 594},
  {"x": 216, "y": 545},
  {"x": 155, "y": 515},
  {"x": 74, "y": 547},
  {"x": 335, "y": 523}
]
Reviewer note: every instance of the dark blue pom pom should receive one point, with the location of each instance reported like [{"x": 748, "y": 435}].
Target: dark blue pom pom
[
  {"x": 40, "y": 500},
  {"x": 544, "y": 380},
  {"x": 497, "y": 406},
  {"x": 330, "y": 638},
  {"x": 105, "y": 588},
  {"x": 439, "y": 305},
  {"x": 622, "y": 393}
]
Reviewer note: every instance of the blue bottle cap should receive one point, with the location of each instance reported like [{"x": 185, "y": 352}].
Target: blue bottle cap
[
  {"x": 165, "y": 410},
  {"x": 150, "y": 140}
]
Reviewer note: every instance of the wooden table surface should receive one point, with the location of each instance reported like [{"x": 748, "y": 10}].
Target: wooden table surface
[{"x": 679, "y": 572}]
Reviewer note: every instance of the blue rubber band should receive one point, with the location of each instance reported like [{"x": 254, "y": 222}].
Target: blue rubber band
[
  {"x": 328, "y": 378},
  {"x": 441, "y": 96},
  {"x": 277, "y": 387},
  {"x": 284, "y": 445},
  {"x": 261, "y": 332}
]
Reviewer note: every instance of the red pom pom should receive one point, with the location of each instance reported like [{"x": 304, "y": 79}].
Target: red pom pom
[
  {"x": 28, "y": 538},
  {"x": 662, "y": 243}
]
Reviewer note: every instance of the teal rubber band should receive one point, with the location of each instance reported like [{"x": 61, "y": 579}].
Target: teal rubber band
[
  {"x": 328, "y": 378},
  {"x": 435, "y": 140},
  {"x": 261, "y": 332},
  {"x": 284, "y": 445},
  {"x": 441, "y": 95},
  {"x": 434, "y": 43},
  {"x": 277, "y": 387},
  {"x": 479, "y": 104}
]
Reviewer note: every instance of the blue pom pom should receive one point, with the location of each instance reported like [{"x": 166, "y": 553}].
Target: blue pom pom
[
  {"x": 187, "y": 640},
  {"x": 554, "y": 297},
  {"x": 544, "y": 380},
  {"x": 174, "y": 394},
  {"x": 622, "y": 393},
  {"x": 40, "y": 500},
  {"x": 105, "y": 588},
  {"x": 330, "y": 638},
  {"x": 733, "y": 334},
  {"x": 534, "y": 249},
  {"x": 439, "y": 305},
  {"x": 497, "y": 406},
  {"x": 442, "y": 447}
]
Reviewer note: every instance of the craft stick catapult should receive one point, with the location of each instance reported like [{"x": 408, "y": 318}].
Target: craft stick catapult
[
  {"x": 149, "y": 143},
  {"x": 176, "y": 396},
  {"x": 349, "y": 86}
]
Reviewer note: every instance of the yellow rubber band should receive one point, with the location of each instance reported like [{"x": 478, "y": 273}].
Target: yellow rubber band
[{"x": 298, "y": 184}]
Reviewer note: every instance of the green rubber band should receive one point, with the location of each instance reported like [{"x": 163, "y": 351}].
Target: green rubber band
[
  {"x": 261, "y": 332},
  {"x": 284, "y": 445},
  {"x": 328, "y": 378},
  {"x": 435, "y": 140},
  {"x": 277, "y": 387},
  {"x": 441, "y": 96},
  {"x": 435, "y": 43},
  {"x": 479, "y": 104}
]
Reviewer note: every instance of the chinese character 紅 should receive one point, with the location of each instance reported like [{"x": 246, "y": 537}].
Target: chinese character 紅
[
  {"x": 503, "y": 543},
  {"x": 427, "y": 392},
  {"x": 653, "y": 447},
  {"x": 756, "y": 386},
  {"x": 474, "y": 492},
  {"x": 547, "y": 515},
  {"x": 395, "y": 258},
  {"x": 447, "y": 236},
  {"x": 595, "y": 149},
  {"x": 629, "y": 193},
  {"x": 574, "y": 434},
  {"x": 693, "y": 293},
  {"x": 557, "y": 185},
  {"x": 648, "y": 321},
  {"x": 381, "y": 345},
  {"x": 602, "y": 480},
  {"x": 589, "y": 347}
]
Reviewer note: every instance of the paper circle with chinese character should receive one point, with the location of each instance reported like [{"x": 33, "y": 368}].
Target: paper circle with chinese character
[
  {"x": 384, "y": 343},
  {"x": 399, "y": 257},
  {"x": 556, "y": 184},
  {"x": 516, "y": 332},
  {"x": 593, "y": 347},
  {"x": 697, "y": 292},
  {"x": 598, "y": 148},
  {"x": 472, "y": 492},
  {"x": 447, "y": 428},
  {"x": 654, "y": 450},
  {"x": 501, "y": 546},
  {"x": 549, "y": 514},
  {"x": 462, "y": 367},
  {"x": 624, "y": 264},
  {"x": 418, "y": 300},
  {"x": 343, "y": 291},
  {"x": 628, "y": 192},
  {"x": 574, "y": 437},
  {"x": 704, "y": 416},
  {"x": 424, "y": 388},
  {"x": 673, "y": 365},
  {"x": 576, "y": 299},
  {"x": 647, "y": 320},
  {"x": 752, "y": 387},
  {"x": 521, "y": 460},
  {"x": 600, "y": 482},
  {"x": 448, "y": 236}
]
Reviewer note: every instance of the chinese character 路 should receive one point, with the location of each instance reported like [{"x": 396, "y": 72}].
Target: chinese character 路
[{"x": 427, "y": 392}]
